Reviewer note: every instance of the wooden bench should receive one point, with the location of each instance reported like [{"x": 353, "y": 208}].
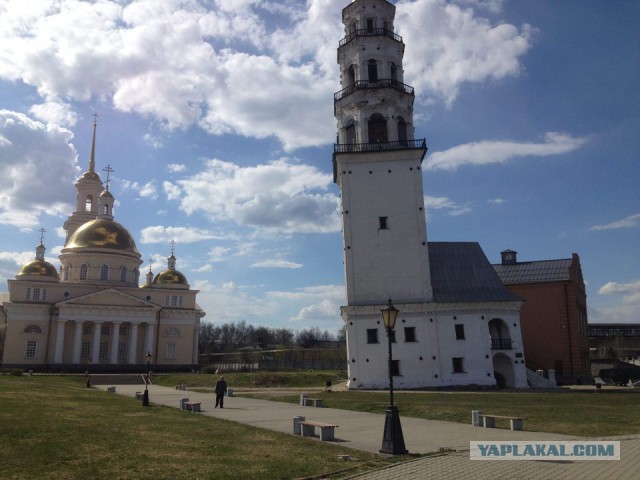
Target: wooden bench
[
  {"x": 181, "y": 387},
  {"x": 489, "y": 421},
  {"x": 326, "y": 429},
  {"x": 111, "y": 389},
  {"x": 138, "y": 395},
  {"x": 313, "y": 402},
  {"x": 192, "y": 406}
]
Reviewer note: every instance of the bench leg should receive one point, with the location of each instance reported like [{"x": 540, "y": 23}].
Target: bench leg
[
  {"x": 489, "y": 422},
  {"x": 308, "y": 430},
  {"x": 326, "y": 433},
  {"x": 517, "y": 424}
]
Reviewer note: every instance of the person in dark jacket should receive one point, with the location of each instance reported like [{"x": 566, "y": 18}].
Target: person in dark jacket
[{"x": 221, "y": 389}]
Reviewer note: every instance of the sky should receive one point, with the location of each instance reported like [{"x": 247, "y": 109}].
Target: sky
[{"x": 217, "y": 119}]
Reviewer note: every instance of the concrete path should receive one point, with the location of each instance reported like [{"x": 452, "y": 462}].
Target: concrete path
[{"x": 363, "y": 431}]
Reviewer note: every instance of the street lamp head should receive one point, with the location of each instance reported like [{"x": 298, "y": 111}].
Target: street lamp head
[
  {"x": 148, "y": 357},
  {"x": 389, "y": 316}
]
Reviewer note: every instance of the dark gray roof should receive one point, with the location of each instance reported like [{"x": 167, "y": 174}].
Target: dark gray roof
[
  {"x": 460, "y": 272},
  {"x": 534, "y": 272}
]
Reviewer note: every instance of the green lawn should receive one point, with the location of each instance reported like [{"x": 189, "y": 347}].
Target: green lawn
[{"x": 55, "y": 427}]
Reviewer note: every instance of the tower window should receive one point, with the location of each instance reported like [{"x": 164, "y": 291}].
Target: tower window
[
  {"x": 382, "y": 223},
  {"x": 372, "y": 335},
  {"x": 88, "y": 203},
  {"x": 66, "y": 272},
  {"x": 31, "y": 348},
  {"x": 123, "y": 274},
  {"x": 369, "y": 24},
  {"x": 394, "y": 71},
  {"x": 372, "y": 68},
  {"x": 410, "y": 334},
  {"x": 402, "y": 131},
  {"x": 83, "y": 271},
  {"x": 458, "y": 364},
  {"x": 377, "y": 129},
  {"x": 459, "y": 331}
]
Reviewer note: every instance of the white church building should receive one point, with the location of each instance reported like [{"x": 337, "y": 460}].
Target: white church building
[
  {"x": 457, "y": 325},
  {"x": 93, "y": 310}
]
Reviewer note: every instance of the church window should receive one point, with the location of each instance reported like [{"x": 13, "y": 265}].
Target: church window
[
  {"x": 458, "y": 364},
  {"x": 377, "y": 129},
  {"x": 66, "y": 272},
  {"x": 372, "y": 335},
  {"x": 369, "y": 24},
  {"x": 36, "y": 294},
  {"x": 85, "y": 350},
  {"x": 86, "y": 329},
  {"x": 123, "y": 274},
  {"x": 31, "y": 348},
  {"x": 33, "y": 329},
  {"x": 171, "y": 332},
  {"x": 173, "y": 300},
  {"x": 122, "y": 351},
  {"x": 104, "y": 272},
  {"x": 171, "y": 351},
  {"x": 394, "y": 71},
  {"x": 351, "y": 75},
  {"x": 106, "y": 210},
  {"x": 382, "y": 223},
  {"x": 459, "y": 331},
  {"x": 123, "y": 330},
  {"x": 88, "y": 203},
  {"x": 28, "y": 293},
  {"x": 104, "y": 330},
  {"x": 410, "y": 334},
  {"x": 372, "y": 68},
  {"x": 104, "y": 349},
  {"x": 84, "y": 269}
]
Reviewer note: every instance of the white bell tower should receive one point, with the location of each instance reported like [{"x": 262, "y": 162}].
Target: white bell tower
[{"x": 377, "y": 164}]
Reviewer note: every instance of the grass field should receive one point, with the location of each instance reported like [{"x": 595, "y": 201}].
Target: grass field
[{"x": 55, "y": 427}]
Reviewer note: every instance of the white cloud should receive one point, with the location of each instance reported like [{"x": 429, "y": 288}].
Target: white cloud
[
  {"x": 32, "y": 158},
  {"x": 230, "y": 67},
  {"x": 153, "y": 141},
  {"x": 495, "y": 151},
  {"x": 276, "y": 264},
  {"x": 55, "y": 112},
  {"x": 496, "y": 201},
  {"x": 280, "y": 197},
  {"x": 631, "y": 221},
  {"x": 160, "y": 234},
  {"x": 176, "y": 167},
  {"x": 447, "y": 205},
  {"x": 171, "y": 191},
  {"x": 630, "y": 291}
]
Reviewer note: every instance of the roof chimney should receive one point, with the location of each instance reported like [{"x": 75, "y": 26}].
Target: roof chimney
[{"x": 509, "y": 257}]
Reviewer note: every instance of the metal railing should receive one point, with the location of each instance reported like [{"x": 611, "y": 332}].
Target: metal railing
[
  {"x": 501, "y": 344},
  {"x": 374, "y": 32},
  {"x": 369, "y": 84},
  {"x": 379, "y": 146}
]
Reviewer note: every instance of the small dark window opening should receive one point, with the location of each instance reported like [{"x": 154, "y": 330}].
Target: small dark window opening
[
  {"x": 395, "y": 368},
  {"x": 410, "y": 334},
  {"x": 372, "y": 68},
  {"x": 382, "y": 223},
  {"x": 372, "y": 335},
  {"x": 459, "y": 331},
  {"x": 369, "y": 24},
  {"x": 458, "y": 364}
]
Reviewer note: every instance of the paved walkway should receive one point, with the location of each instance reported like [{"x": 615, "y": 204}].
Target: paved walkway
[{"x": 363, "y": 431}]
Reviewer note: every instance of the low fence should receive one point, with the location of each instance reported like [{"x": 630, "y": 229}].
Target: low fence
[{"x": 276, "y": 360}]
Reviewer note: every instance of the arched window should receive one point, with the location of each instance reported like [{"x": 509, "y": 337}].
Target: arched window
[
  {"x": 123, "y": 274},
  {"x": 499, "y": 332},
  {"x": 351, "y": 75},
  {"x": 136, "y": 275},
  {"x": 171, "y": 332},
  {"x": 66, "y": 272},
  {"x": 88, "y": 203},
  {"x": 402, "y": 131},
  {"x": 353, "y": 27},
  {"x": 350, "y": 132},
  {"x": 33, "y": 329},
  {"x": 370, "y": 25},
  {"x": 377, "y": 129},
  {"x": 394, "y": 71},
  {"x": 372, "y": 67},
  {"x": 104, "y": 272},
  {"x": 84, "y": 268},
  {"x": 106, "y": 209}
]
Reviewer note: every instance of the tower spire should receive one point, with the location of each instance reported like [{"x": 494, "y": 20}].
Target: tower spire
[{"x": 92, "y": 159}]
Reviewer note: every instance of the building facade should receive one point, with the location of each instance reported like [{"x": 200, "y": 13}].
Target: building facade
[
  {"x": 555, "y": 330},
  {"x": 457, "y": 324},
  {"x": 93, "y": 310}
]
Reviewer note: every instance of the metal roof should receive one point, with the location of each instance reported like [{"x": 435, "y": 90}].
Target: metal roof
[
  {"x": 460, "y": 272},
  {"x": 534, "y": 272}
]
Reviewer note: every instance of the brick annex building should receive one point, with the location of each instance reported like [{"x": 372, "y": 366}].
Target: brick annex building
[{"x": 555, "y": 332}]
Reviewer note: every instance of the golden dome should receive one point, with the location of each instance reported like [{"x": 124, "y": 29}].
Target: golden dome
[
  {"x": 170, "y": 277},
  {"x": 103, "y": 233},
  {"x": 39, "y": 268}
]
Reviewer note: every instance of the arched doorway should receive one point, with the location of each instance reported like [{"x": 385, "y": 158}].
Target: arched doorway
[
  {"x": 500, "y": 335},
  {"x": 377, "y": 129},
  {"x": 503, "y": 371}
]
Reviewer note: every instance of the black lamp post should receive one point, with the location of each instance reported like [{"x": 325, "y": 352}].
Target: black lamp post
[
  {"x": 145, "y": 397},
  {"x": 392, "y": 440},
  {"x": 89, "y": 374}
]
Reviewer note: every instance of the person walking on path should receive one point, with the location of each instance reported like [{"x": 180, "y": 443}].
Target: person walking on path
[{"x": 221, "y": 389}]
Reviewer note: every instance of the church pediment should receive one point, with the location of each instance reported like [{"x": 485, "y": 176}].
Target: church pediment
[{"x": 108, "y": 297}]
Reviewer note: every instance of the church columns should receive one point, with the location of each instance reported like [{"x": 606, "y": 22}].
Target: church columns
[
  {"x": 115, "y": 342},
  {"x": 77, "y": 342},
  {"x": 95, "y": 347},
  {"x": 133, "y": 343},
  {"x": 148, "y": 338},
  {"x": 57, "y": 355}
]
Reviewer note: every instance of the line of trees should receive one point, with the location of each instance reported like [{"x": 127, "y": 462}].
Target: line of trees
[{"x": 230, "y": 337}]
